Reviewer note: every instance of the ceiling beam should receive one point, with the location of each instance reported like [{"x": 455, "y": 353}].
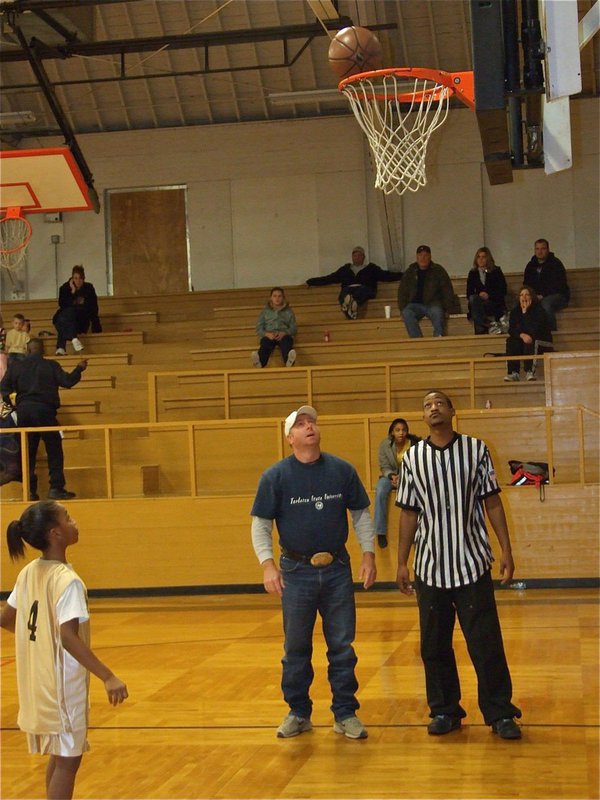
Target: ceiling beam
[{"x": 191, "y": 40}]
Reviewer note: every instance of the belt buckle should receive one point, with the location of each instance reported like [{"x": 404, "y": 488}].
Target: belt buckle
[{"x": 321, "y": 559}]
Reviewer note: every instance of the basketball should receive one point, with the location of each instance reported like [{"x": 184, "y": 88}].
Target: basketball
[{"x": 354, "y": 50}]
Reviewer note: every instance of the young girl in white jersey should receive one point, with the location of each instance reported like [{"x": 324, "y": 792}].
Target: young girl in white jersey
[{"x": 47, "y": 610}]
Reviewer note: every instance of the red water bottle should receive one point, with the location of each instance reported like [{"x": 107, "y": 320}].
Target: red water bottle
[{"x": 326, "y": 337}]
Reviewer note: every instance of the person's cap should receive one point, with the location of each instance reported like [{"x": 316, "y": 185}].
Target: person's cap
[
  {"x": 291, "y": 419},
  {"x": 358, "y": 249},
  {"x": 424, "y": 248}
]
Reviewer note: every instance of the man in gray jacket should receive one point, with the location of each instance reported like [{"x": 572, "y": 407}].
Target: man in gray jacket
[{"x": 425, "y": 291}]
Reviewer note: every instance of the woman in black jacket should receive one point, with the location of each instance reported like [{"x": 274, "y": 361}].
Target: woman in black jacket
[
  {"x": 78, "y": 310},
  {"x": 527, "y": 324},
  {"x": 486, "y": 293}
]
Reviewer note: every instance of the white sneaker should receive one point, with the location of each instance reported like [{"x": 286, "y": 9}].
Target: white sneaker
[
  {"x": 495, "y": 328},
  {"x": 353, "y": 310},
  {"x": 512, "y": 376},
  {"x": 292, "y": 726},
  {"x": 291, "y": 359},
  {"x": 60, "y": 351},
  {"x": 346, "y": 302},
  {"x": 255, "y": 358},
  {"x": 530, "y": 376},
  {"x": 77, "y": 346},
  {"x": 504, "y": 320},
  {"x": 351, "y": 727}
]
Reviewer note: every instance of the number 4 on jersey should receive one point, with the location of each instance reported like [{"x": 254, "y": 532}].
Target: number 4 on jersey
[{"x": 32, "y": 621}]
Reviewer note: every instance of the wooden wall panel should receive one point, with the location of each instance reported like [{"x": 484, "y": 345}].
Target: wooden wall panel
[
  {"x": 206, "y": 542},
  {"x": 149, "y": 242}
]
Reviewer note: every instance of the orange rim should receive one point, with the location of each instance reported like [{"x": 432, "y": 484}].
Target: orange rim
[
  {"x": 462, "y": 84},
  {"x": 12, "y": 214}
]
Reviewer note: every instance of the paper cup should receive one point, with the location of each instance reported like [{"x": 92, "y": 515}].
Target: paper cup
[{"x": 388, "y": 312}]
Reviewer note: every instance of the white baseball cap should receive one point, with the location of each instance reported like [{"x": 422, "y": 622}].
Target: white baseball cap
[{"x": 291, "y": 419}]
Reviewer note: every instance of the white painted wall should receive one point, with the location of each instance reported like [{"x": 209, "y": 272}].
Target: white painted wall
[{"x": 279, "y": 202}]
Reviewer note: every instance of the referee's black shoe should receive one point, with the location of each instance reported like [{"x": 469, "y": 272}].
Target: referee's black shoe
[
  {"x": 443, "y": 723},
  {"x": 506, "y": 728}
]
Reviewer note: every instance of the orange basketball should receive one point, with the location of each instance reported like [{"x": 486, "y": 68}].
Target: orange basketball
[{"x": 354, "y": 50}]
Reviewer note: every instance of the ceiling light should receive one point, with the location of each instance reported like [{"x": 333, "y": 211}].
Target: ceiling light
[
  {"x": 9, "y": 118},
  {"x": 310, "y": 96}
]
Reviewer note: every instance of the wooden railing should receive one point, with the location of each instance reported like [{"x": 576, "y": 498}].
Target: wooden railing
[
  {"x": 385, "y": 382},
  {"x": 217, "y": 458}
]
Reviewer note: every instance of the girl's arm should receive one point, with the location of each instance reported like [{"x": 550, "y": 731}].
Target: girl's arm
[
  {"x": 69, "y": 636},
  {"x": 8, "y": 618}
]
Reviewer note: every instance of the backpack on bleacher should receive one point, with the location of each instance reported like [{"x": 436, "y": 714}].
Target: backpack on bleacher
[{"x": 530, "y": 473}]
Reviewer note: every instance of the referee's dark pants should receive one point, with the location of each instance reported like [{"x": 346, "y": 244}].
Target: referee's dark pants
[
  {"x": 476, "y": 608},
  {"x": 31, "y": 415}
]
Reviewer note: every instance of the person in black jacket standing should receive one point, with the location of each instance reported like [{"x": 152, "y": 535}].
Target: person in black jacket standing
[
  {"x": 78, "y": 310},
  {"x": 36, "y": 381},
  {"x": 358, "y": 281},
  {"x": 547, "y": 276}
]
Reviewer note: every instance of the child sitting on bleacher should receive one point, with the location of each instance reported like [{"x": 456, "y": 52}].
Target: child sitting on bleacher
[
  {"x": 276, "y": 327},
  {"x": 17, "y": 339}
]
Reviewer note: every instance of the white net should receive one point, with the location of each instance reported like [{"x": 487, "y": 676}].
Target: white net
[
  {"x": 15, "y": 233},
  {"x": 398, "y": 121}
]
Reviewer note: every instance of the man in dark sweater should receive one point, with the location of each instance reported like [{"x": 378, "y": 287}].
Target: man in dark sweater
[
  {"x": 546, "y": 274},
  {"x": 36, "y": 381},
  {"x": 425, "y": 291},
  {"x": 358, "y": 281}
]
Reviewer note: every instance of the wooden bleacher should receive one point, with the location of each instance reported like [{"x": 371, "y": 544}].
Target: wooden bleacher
[{"x": 143, "y": 479}]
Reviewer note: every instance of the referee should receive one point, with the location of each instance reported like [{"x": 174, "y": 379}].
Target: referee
[{"x": 446, "y": 482}]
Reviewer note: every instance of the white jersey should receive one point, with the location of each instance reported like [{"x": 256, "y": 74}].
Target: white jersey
[{"x": 52, "y": 685}]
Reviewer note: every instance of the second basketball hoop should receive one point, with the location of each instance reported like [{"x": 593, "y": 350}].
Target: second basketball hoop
[{"x": 399, "y": 109}]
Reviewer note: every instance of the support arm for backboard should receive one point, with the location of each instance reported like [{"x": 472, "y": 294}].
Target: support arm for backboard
[{"x": 63, "y": 123}]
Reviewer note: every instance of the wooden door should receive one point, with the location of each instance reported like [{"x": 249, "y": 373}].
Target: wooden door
[{"x": 149, "y": 242}]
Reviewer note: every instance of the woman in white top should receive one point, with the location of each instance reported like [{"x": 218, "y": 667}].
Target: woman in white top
[{"x": 48, "y": 613}]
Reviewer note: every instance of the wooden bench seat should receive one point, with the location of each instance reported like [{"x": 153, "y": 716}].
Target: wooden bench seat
[
  {"x": 69, "y": 362},
  {"x": 96, "y": 343},
  {"x": 111, "y": 322},
  {"x": 314, "y": 354}
]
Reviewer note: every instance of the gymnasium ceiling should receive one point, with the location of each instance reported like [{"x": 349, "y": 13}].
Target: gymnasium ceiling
[{"x": 147, "y": 64}]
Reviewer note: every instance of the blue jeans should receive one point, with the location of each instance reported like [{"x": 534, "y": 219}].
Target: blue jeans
[
  {"x": 480, "y": 311},
  {"x": 328, "y": 591},
  {"x": 382, "y": 493},
  {"x": 413, "y": 312},
  {"x": 551, "y": 304}
]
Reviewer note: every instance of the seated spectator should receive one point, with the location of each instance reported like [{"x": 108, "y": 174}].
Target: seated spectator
[
  {"x": 391, "y": 453},
  {"x": 547, "y": 276},
  {"x": 17, "y": 339},
  {"x": 358, "y": 282},
  {"x": 3, "y": 355},
  {"x": 276, "y": 327},
  {"x": 486, "y": 293},
  {"x": 78, "y": 310},
  {"x": 527, "y": 324},
  {"x": 425, "y": 291}
]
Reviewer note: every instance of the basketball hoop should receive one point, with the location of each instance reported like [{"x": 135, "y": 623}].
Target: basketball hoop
[
  {"x": 399, "y": 109},
  {"x": 15, "y": 233}
]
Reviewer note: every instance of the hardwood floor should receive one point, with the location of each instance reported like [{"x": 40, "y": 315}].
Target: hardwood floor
[{"x": 203, "y": 676}]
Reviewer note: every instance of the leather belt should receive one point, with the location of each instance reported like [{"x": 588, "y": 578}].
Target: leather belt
[{"x": 321, "y": 559}]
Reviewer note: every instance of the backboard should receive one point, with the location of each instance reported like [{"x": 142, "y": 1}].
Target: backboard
[
  {"x": 42, "y": 181},
  {"x": 526, "y": 61}
]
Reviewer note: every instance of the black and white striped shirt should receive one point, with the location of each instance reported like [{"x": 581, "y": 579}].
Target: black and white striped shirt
[{"x": 446, "y": 487}]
